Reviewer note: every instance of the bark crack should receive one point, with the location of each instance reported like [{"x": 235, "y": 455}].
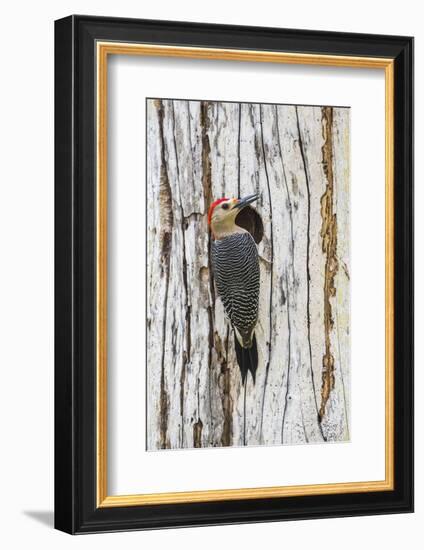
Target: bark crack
[
  {"x": 197, "y": 433},
  {"x": 286, "y": 398},
  {"x": 308, "y": 273},
  {"x": 166, "y": 226},
  {"x": 271, "y": 239},
  {"x": 207, "y": 194},
  {"x": 227, "y": 402},
  {"x": 328, "y": 234},
  {"x": 289, "y": 202}
]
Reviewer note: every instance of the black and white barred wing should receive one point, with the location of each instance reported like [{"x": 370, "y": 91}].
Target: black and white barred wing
[{"x": 235, "y": 264}]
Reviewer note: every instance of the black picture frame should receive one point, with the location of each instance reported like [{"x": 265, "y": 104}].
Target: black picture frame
[{"x": 76, "y": 510}]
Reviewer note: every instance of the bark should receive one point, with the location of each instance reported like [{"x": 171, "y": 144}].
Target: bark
[{"x": 297, "y": 159}]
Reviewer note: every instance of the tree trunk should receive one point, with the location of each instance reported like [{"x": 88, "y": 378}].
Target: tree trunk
[{"x": 297, "y": 159}]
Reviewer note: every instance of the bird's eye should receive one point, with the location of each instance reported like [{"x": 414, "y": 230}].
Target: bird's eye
[{"x": 225, "y": 206}]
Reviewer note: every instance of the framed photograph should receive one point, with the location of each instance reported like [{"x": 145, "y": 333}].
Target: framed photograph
[{"x": 234, "y": 274}]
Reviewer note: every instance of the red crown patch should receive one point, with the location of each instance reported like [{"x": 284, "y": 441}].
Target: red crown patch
[{"x": 212, "y": 206}]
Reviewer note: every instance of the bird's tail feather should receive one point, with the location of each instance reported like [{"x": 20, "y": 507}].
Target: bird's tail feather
[{"x": 247, "y": 358}]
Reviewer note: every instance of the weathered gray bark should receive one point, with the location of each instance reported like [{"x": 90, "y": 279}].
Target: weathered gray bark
[{"x": 297, "y": 159}]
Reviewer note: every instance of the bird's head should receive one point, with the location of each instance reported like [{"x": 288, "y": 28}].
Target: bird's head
[{"x": 223, "y": 212}]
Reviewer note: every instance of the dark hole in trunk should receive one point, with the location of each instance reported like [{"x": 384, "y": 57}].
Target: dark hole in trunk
[{"x": 250, "y": 220}]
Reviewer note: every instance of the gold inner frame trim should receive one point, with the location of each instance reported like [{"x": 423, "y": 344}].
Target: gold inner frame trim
[{"x": 104, "y": 49}]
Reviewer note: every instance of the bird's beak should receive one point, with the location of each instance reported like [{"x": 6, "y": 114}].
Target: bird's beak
[{"x": 245, "y": 201}]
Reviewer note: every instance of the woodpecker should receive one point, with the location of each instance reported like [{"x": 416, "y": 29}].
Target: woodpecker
[{"x": 235, "y": 265}]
